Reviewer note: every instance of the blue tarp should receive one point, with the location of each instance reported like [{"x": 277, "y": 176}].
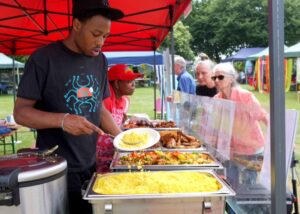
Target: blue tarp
[
  {"x": 242, "y": 54},
  {"x": 134, "y": 58}
]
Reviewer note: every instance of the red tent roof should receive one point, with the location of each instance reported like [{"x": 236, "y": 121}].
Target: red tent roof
[{"x": 26, "y": 25}]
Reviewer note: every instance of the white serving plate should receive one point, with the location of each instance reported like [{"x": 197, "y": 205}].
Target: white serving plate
[{"x": 154, "y": 137}]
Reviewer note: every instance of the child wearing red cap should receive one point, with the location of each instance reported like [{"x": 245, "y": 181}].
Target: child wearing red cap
[{"x": 121, "y": 85}]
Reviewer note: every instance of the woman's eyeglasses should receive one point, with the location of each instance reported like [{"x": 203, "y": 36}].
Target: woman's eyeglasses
[{"x": 220, "y": 77}]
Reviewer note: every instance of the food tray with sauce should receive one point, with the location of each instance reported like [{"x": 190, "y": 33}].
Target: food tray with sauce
[{"x": 163, "y": 160}]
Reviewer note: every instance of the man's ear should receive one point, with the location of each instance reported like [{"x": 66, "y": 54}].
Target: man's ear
[{"x": 76, "y": 25}]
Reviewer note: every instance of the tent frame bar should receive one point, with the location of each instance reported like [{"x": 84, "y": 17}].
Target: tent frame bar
[
  {"x": 277, "y": 103},
  {"x": 147, "y": 11},
  {"x": 142, "y": 24},
  {"x": 34, "y": 9},
  {"x": 20, "y": 16}
]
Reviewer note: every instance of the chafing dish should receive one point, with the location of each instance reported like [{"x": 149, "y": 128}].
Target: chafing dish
[
  {"x": 159, "y": 125},
  {"x": 175, "y": 203},
  {"x": 118, "y": 167}
]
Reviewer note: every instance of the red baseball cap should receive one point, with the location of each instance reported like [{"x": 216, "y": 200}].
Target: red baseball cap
[{"x": 122, "y": 72}]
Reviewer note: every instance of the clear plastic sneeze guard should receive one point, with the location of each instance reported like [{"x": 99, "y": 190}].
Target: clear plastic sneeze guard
[{"x": 238, "y": 135}]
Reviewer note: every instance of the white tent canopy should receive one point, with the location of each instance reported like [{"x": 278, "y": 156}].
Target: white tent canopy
[
  {"x": 7, "y": 62},
  {"x": 293, "y": 51}
]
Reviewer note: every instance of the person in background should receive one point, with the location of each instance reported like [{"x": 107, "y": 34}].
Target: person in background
[
  {"x": 247, "y": 141},
  {"x": 185, "y": 80},
  {"x": 206, "y": 86},
  {"x": 203, "y": 56},
  {"x": 121, "y": 85},
  {"x": 61, "y": 95}
]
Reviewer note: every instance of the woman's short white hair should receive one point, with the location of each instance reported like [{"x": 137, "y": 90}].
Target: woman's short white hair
[
  {"x": 180, "y": 61},
  {"x": 228, "y": 69}
]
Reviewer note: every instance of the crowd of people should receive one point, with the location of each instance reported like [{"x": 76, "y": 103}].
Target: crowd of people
[{"x": 219, "y": 81}]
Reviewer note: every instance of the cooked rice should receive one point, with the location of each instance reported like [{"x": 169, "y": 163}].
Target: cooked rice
[{"x": 156, "y": 182}]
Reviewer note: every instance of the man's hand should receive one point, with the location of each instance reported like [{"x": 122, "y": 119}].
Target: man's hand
[{"x": 78, "y": 125}]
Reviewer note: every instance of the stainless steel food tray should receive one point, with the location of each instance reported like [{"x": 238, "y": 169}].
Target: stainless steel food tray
[
  {"x": 202, "y": 148},
  {"x": 153, "y": 122},
  {"x": 117, "y": 167},
  {"x": 93, "y": 196}
]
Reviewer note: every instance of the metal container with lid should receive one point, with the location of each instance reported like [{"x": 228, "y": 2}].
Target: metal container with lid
[
  {"x": 33, "y": 182},
  {"x": 175, "y": 203}
]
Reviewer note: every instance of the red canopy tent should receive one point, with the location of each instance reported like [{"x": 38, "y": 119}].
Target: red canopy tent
[{"x": 26, "y": 25}]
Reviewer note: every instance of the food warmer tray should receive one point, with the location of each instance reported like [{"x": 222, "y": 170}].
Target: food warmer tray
[
  {"x": 153, "y": 122},
  {"x": 175, "y": 203},
  {"x": 114, "y": 166},
  {"x": 202, "y": 148}
]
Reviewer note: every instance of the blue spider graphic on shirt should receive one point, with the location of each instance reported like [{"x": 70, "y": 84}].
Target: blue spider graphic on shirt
[{"x": 83, "y": 94}]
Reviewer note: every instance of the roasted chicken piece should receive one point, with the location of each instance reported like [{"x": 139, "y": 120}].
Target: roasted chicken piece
[
  {"x": 165, "y": 124},
  {"x": 177, "y": 139}
]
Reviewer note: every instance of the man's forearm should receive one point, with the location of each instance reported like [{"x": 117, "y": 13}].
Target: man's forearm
[{"x": 34, "y": 118}]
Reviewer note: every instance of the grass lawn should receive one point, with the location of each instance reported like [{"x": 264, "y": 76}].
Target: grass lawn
[{"x": 143, "y": 102}]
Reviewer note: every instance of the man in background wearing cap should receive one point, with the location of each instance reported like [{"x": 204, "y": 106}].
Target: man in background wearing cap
[
  {"x": 121, "y": 84},
  {"x": 186, "y": 82},
  {"x": 61, "y": 95}
]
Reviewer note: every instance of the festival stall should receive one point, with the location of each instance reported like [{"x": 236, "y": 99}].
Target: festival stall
[
  {"x": 201, "y": 127},
  {"x": 242, "y": 54},
  {"x": 260, "y": 77},
  {"x": 292, "y": 54}
]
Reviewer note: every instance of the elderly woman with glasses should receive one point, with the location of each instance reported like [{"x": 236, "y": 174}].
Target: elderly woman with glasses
[{"x": 247, "y": 141}]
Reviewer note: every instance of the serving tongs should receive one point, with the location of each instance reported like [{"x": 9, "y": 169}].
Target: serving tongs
[{"x": 28, "y": 152}]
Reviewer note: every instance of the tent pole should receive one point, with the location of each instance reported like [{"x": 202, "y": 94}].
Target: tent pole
[
  {"x": 277, "y": 103},
  {"x": 155, "y": 76},
  {"x": 14, "y": 80},
  {"x": 172, "y": 58},
  {"x": 13, "y": 70},
  {"x": 172, "y": 44}
]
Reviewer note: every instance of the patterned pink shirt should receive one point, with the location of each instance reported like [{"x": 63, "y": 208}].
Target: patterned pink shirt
[{"x": 247, "y": 136}]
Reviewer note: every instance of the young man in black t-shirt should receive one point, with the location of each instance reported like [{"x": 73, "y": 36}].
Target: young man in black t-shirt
[
  {"x": 62, "y": 90},
  {"x": 206, "y": 86}
]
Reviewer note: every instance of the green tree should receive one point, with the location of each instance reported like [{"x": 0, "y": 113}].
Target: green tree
[
  {"x": 21, "y": 58},
  {"x": 182, "y": 40},
  {"x": 292, "y": 22},
  {"x": 223, "y": 26}
]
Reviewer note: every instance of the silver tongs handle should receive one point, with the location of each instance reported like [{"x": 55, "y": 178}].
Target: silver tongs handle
[{"x": 50, "y": 151}]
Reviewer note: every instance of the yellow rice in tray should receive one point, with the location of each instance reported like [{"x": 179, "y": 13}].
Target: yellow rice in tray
[{"x": 155, "y": 182}]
